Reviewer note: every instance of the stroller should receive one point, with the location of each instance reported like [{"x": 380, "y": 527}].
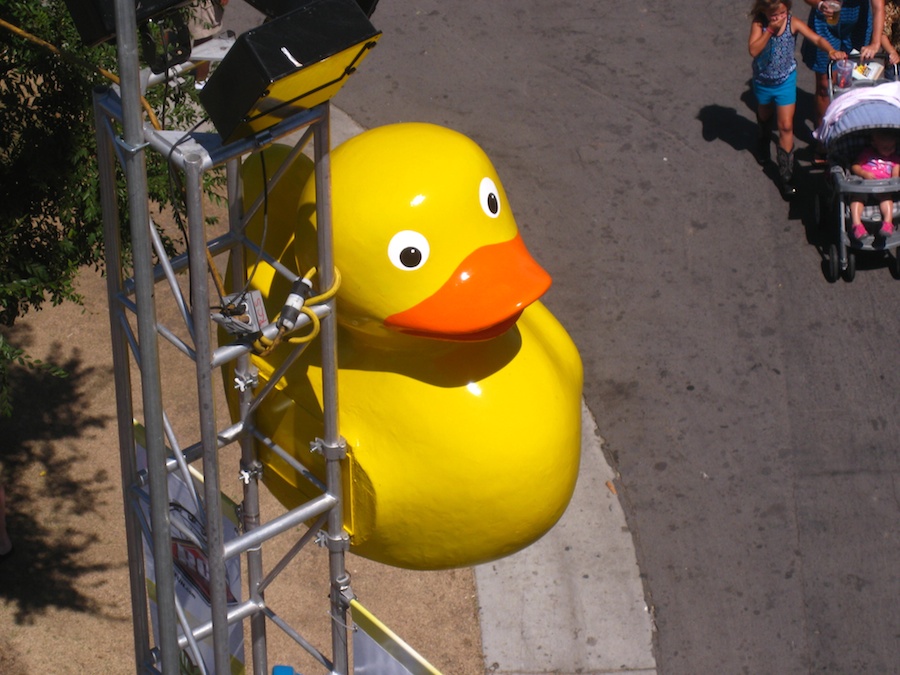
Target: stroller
[{"x": 853, "y": 114}]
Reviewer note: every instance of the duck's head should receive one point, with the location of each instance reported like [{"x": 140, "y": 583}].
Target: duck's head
[{"x": 424, "y": 238}]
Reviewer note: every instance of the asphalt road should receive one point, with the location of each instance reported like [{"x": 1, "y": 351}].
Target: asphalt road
[{"x": 749, "y": 406}]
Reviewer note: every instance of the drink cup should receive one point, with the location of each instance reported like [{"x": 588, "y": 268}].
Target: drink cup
[
  {"x": 835, "y": 7},
  {"x": 843, "y": 73}
]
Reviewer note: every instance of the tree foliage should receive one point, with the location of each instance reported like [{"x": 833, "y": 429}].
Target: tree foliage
[{"x": 50, "y": 214}]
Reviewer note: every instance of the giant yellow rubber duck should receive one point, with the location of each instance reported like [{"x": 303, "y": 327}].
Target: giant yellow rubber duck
[{"x": 459, "y": 393}]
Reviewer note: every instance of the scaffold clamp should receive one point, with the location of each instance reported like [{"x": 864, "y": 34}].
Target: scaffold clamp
[
  {"x": 330, "y": 451},
  {"x": 246, "y": 380},
  {"x": 248, "y": 473},
  {"x": 128, "y": 147},
  {"x": 339, "y": 543}
]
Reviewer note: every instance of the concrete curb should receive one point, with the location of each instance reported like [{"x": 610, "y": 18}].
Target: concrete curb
[{"x": 572, "y": 602}]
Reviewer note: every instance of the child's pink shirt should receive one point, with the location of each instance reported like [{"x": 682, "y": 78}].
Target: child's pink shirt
[{"x": 880, "y": 167}]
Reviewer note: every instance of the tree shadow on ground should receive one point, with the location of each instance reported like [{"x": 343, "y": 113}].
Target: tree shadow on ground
[{"x": 47, "y": 493}]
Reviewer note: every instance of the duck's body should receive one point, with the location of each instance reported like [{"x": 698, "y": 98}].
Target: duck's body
[{"x": 463, "y": 430}]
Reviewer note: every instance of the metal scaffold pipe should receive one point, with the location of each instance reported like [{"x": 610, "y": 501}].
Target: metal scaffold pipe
[
  {"x": 122, "y": 377},
  {"x": 208, "y": 436},
  {"x": 334, "y": 448},
  {"x": 136, "y": 175}
]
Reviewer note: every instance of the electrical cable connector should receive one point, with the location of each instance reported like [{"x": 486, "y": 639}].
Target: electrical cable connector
[
  {"x": 301, "y": 291},
  {"x": 241, "y": 313}
]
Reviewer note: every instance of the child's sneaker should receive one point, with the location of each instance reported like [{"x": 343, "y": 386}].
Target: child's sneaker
[
  {"x": 858, "y": 231},
  {"x": 887, "y": 229}
]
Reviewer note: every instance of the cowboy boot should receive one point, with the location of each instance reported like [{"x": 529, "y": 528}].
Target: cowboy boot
[{"x": 786, "y": 171}]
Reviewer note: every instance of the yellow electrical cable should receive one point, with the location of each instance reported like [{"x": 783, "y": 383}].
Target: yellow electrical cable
[
  {"x": 80, "y": 62},
  {"x": 316, "y": 327},
  {"x": 263, "y": 345},
  {"x": 217, "y": 278},
  {"x": 330, "y": 293}
]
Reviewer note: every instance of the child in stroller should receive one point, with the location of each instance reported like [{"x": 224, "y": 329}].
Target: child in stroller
[{"x": 877, "y": 161}]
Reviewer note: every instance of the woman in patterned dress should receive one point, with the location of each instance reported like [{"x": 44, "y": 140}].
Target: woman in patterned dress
[{"x": 853, "y": 30}]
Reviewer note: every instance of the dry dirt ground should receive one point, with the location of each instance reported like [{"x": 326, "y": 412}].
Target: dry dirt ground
[{"x": 64, "y": 594}]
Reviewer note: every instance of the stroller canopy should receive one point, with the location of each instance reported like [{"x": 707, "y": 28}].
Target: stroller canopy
[{"x": 861, "y": 108}]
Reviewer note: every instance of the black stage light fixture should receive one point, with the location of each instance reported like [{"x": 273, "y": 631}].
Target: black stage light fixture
[
  {"x": 289, "y": 64},
  {"x": 273, "y": 8},
  {"x": 95, "y": 20}
]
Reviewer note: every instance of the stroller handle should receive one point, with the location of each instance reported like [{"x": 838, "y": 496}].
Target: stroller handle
[{"x": 892, "y": 68}]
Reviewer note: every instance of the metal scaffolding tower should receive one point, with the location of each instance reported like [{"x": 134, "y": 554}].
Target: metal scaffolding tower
[{"x": 123, "y": 136}]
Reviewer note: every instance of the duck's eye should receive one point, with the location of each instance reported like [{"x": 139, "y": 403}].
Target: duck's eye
[
  {"x": 489, "y": 197},
  {"x": 408, "y": 250}
]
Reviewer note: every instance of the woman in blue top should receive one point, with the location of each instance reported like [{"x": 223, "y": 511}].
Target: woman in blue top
[
  {"x": 773, "y": 38},
  {"x": 853, "y": 30}
]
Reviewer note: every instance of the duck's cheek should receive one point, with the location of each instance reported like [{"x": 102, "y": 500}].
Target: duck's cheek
[{"x": 482, "y": 298}]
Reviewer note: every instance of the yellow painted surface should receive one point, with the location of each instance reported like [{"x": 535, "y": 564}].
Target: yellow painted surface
[{"x": 459, "y": 393}]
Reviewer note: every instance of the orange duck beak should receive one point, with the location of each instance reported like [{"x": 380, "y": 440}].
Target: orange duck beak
[{"x": 482, "y": 299}]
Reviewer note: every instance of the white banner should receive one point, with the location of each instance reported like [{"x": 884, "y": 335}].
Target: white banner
[{"x": 192, "y": 567}]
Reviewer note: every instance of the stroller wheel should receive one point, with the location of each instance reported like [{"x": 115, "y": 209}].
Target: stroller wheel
[
  {"x": 850, "y": 271},
  {"x": 830, "y": 265}
]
